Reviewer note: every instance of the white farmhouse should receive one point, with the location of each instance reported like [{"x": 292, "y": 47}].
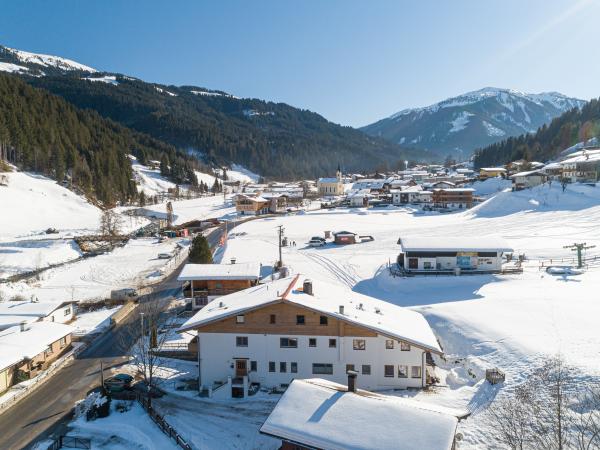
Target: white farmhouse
[
  {"x": 455, "y": 255},
  {"x": 273, "y": 333},
  {"x": 526, "y": 180}
]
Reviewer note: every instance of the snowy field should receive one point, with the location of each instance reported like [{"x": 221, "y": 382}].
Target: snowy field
[
  {"x": 134, "y": 264},
  {"x": 201, "y": 208},
  {"x": 35, "y": 204},
  {"x": 510, "y": 321}
]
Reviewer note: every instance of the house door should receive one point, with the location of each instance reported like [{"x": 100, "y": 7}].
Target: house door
[
  {"x": 241, "y": 367},
  {"x": 413, "y": 263}
]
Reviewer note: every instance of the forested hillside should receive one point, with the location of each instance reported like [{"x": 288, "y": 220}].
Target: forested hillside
[
  {"x": 42, "y": 132},
  {"x": 571, "y": 127},
  {"x": 273, "y": 139}
]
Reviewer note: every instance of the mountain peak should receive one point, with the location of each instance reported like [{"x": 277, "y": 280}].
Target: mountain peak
[
  {"x": 37, "y": 63},
  {"x": 471, "y": 120}
]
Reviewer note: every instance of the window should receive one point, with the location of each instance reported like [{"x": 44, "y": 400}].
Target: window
[
  {"x": 427, "y": 265},
  {"x": 322, "y": 369},
  {"x": 366, "y": 369},
  {"x": 389, "y": 344},
  {"x": 253, "y": 366},
  {"x": 271, "y": 366},
  {"x": 323, "y": 320},
  {"x": 67, "y": 311},
  {"x": 294, "y": 367},
  {"x": 272, "y": 318},
  {"x": 312, "y": 342},
  {"x": 300, "y": 320},
  {"x": 240, "y": 319},
  {"x": 288, "y": 342},
  {"x": 415, "y": 372},
  {"x": 402, "y": 371},
  {"x": 359, "y": 344},
  {"x": 349, "y": 367},
  {"x": 405, "y": 346},
  {"x": 332, "y": 343},
  {"x": 63, "y": 342},
  {"x": 241, "y": 341},
  {"x": 388, "y": 371},
  {"x": 283, "y": 367}
]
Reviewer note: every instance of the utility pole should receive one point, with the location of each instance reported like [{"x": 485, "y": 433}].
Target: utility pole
[
  {"x": 578, "y": 248},
  {"x": 280, "y": 232}
]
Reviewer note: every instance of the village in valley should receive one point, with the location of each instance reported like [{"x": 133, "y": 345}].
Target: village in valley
[
  {"x": 410, "y": 290},
  {"x": 307, "y": 226}
]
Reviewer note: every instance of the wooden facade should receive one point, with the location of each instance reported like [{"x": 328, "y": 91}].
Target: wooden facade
[
  {"x": 260, "y": 321},
  {"x": 448, "y": 198}
]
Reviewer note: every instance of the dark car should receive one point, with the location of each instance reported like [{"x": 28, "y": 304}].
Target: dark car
[{"x": 118, "y": 383}]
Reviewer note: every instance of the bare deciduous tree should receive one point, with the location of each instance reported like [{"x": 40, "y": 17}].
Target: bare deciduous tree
[
  {"x": 551, "y": 410},
  {"x": 110, "y": 223},
  {"x": 143, "y": 338}
]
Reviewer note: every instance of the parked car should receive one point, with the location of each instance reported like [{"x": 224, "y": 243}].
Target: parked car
[
  {"x": 164, "y": 256},
  {"x": 316, "y": 242},
  {"x": 118, "y": 383},
  {"x": 318, "y": 238}
]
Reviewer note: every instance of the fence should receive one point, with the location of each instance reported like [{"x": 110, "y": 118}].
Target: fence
[
  {"x": 164, "y": 426},
  {"x": 70, "y": 442}
]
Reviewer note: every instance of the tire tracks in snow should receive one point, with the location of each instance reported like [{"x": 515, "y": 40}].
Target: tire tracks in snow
[{"x": 344, "y": 273}]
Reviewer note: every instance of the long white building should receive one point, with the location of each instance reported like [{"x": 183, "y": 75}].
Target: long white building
[{"x": 271, "y": 334}]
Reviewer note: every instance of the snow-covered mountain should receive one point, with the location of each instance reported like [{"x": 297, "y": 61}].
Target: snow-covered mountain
[
  {"x": 476, "y": 119},
  {"x": 37, "y": 64}
]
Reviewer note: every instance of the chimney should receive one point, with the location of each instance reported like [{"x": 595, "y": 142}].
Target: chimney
[
  {"x": 341, "y": 309},
  {"x": 232, "y": 260},
  {"x": 352, "y": 374},
  {"x": 307, "y": 287},
  {"x": 23, "y": 326}
]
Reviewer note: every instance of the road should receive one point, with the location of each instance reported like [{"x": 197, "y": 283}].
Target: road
[{"x": 46, "y": 409}]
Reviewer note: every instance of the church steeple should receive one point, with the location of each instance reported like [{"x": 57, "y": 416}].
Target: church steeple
[{"x": 338, "y": 173}]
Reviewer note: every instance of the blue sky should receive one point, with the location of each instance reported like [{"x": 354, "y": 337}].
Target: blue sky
[{"x": 353, "y": 62}]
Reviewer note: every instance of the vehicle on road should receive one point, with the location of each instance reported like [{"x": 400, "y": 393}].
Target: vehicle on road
[
  {"x": 118, "y": 383},
  {"x": 123, "y": 294},
  {"x": 165, "y": 256}
]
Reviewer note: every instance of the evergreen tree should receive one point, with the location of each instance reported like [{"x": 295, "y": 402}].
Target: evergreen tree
[
  {"x": 200, "y": 251},
  {"x": 142, "y": 198}
]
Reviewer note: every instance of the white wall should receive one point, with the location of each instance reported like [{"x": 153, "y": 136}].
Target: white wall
[
  {"x": 64, "y": 314},
  {"x": 218, "y": 352}
]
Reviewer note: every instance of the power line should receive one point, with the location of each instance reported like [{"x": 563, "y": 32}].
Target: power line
[{"x": 579, "y": 248}]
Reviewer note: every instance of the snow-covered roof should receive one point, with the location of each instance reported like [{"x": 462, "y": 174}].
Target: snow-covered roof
[
  {"x": 582, "y": 156},
  {"x": 14, "y": 313},
  {"x": 16, "y": 345},
  {"x": 379, "y": 316},
  {"x": 328, "y": 180},
  {"x": 493, "y": 169},
  {"x": 237, "y": 271},
  {"x": 526, "y": 174},
  {"x": 455, "y": 189},
  {"x": 461, "y": 244},
  {"x": 321, "y": 414}
]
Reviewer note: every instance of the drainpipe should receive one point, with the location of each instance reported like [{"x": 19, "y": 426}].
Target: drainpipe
[
  {"x": 199, "y": 361},
  {"x": 423, "y": 370}
]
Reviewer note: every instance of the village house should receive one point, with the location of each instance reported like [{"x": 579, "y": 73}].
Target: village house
[
  {"x": 491, "y": 172},
  {"x": 410, "y": 194},
  {"x": 453, "y": 198},
  {"x": 15, "y": 313},
  {"x": 29, "y": 348},
  {"x": 272, "y": 333},
  {"x": 582, "y": 166},
  {"x": 205, "y": 282},
  {"x": 360, "y": 198},
  {"x": 320, "y": 414},
  {"x": 452, "y": 255},
  {"x": 246, "y": 204},
  {"x": 526, "y": 180},
  {"x": 331, "y": 187}
]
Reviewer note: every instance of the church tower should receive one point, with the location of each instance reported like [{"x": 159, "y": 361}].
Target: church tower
[{"x": 338, "y": 173}]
